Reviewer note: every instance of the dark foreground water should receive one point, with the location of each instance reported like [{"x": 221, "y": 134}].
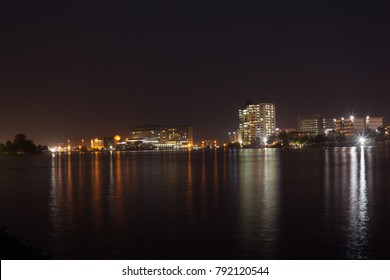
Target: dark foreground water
[{"x": 248, "y": 204}]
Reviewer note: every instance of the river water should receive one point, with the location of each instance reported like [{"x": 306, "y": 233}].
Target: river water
[{"x": 238, "y": 204}]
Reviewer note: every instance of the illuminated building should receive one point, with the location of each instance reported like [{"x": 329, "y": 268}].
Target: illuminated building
[
  {"x": 344, "y": 126},
  {"x": 363, "y": 125},
  {"x": 310, "y": 123},
  {"x": 358, "y": 125},
  {"x": 209, "y": 144},
  {"x": 97, "y": 144},
  {"x": 111, "y": 142},
  {"x": 287, "y": 130},
  {"x": 257, "y": 122},
  {"x": 233, "y": 137},
  {"x": 374, "y": 122},
  {"x": 316, "y": 124},
  {"x": 163, "y": 137},
  {"x": 328, "y": 125}
]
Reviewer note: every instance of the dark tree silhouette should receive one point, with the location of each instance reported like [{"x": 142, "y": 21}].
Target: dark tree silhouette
[
  {"x": 21, "y": 145},
  {"x": 3, "y": 149}
]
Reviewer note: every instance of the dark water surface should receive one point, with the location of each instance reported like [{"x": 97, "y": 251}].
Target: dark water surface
[{"x": 247, "y": 204}]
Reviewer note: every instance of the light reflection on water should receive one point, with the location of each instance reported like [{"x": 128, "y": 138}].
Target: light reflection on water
[
  {"x": 247, "y": 204},
  {"x": 258, "y": 173},
  {"x": 357, "y": 238}
]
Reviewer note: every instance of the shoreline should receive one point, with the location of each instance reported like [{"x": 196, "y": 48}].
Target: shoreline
[{"x": 16, "y": 248}]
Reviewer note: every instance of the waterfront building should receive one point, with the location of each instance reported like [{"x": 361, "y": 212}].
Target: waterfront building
[
  {"x": 328, "y": 124},
  {"x": 316, "y": 124},
  {"x": 257, "y": 123},
  {"x": 163, "y": 137},
  {"x": 111, "y": 142},
  {"x": 310, "y": 123},
  {"x": 373, "y": 123},
  {"x": 209, "y": 144},
  {"x": 97, "y": 144},
  {"x": 363, "y": 125},
  {"x": 344, "y": 126},
  {"x": 358, "y": 125},
  {"x": 233, "y": 137}
]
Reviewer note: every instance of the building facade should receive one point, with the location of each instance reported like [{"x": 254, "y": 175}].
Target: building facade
[
  {"x": 233, "y": 137},
  {"x": 111, "y": 142},
  {"x": 257, "y": 123},
  {"x": 373, "y": 123},
  {"x": 344, "y": 126},
  {"x": 163, "y": 137},
  {"x": 328, "y": 124},
  {"x": 358, "y": 125},
  {"x": 316, "y": 124},
  {"x": 310, "y": 123},
  {"x": 97, "y": 144}
]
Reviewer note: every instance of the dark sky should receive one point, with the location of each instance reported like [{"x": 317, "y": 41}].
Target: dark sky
[{"x": 97, "y": 68}]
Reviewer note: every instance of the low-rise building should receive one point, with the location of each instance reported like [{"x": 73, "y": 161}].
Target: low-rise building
[
  {"x": 344, "y": 126},
  {"x": 356, "y": 126},
  {"x": 111, "y": 142},
  {"x": 163, "y": 137},
  {"x": 97, "y": 144},
  {"x": 316, "y": 124},
  {"x": 233, "y": 137}
]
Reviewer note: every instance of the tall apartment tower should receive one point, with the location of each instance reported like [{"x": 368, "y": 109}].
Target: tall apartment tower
[{"x": 257, "y": 122}]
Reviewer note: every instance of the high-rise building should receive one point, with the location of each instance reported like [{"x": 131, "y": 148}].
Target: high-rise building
[{"x": 257, "y": 122}]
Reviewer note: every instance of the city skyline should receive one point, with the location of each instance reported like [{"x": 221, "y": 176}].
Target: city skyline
[{"x": 100, "y": 70}]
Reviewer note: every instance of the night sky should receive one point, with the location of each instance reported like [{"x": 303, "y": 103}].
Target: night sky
[{"x": 96, "y": 68}]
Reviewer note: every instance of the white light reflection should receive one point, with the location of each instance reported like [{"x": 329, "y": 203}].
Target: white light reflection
[
  {"x": 327, "y": 184},
  {"x": 111, "y": 178},
  {"x": 270, "y": 229},
  {"x": 55, "y": 193},
  {"x": 111, "y": 184},
  {"x": 357, "y": 213},
  {"x": 259, "y": 201}
]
